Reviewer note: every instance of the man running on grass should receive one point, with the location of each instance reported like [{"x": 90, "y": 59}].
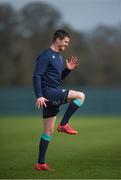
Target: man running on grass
[{"x": 48, "y": 75}]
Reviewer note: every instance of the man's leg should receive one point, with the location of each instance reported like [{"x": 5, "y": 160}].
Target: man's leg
[
  {"x": 76, "y": 99},
  {"x": 48, "y": 125}
]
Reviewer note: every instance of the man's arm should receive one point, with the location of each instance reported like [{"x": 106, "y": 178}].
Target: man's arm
[
  {"x": 71, "y": 64},
  {"x": 65, "y": 73},
  {"x": 40, "y": 68}
]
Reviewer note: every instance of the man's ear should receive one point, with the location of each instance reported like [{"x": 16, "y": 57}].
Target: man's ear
[{"x": 58, "y": 40}]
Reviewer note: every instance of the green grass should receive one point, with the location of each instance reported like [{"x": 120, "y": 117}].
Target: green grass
[{"x": 95, "y": 153}]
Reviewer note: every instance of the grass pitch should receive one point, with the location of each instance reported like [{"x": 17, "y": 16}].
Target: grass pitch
[{"x": 95, "y": 153}]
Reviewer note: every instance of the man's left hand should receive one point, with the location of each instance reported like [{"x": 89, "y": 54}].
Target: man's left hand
[{"x": 72, "y": 63}]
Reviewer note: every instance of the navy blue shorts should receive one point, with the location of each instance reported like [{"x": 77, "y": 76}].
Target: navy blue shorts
[{"x": 56, "y": 97}]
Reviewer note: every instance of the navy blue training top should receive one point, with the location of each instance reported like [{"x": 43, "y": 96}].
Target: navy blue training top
[{"x": 49, "y": 71}]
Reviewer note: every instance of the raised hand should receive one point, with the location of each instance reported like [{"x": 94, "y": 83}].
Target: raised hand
[{"x": 72, "y": 63}]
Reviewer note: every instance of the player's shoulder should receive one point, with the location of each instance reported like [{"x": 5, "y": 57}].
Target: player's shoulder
[
  {"x": 47, "y": 53},
  {"x": 43, "y": 55}
]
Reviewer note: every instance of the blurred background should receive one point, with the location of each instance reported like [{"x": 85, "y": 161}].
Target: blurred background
[{"x": 26, "y": 29}]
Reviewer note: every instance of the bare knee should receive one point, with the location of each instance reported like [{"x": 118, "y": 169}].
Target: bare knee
[
  {"x": 49, "y": 125},
  {"x": 81, "y": 96}
]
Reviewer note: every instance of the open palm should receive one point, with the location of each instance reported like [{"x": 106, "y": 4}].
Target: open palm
[{"x": 72, "y": 63}]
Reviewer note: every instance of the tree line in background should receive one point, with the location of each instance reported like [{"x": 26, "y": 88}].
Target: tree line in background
[{"x": 26, "y": 32}]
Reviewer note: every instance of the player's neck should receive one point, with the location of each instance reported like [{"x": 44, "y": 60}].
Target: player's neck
[{"x": 54, "y": 47}]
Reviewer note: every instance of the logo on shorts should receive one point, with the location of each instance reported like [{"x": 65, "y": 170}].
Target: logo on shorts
[
  {"x": 63, "y": 90},
  {"x": 56, "y": 103}
]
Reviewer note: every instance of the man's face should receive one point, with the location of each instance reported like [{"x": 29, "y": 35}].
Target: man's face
[{"x": 62, "y": 44}]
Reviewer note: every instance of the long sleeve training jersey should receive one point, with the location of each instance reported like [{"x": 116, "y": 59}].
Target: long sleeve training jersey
[{"x": 49, "y": 71}]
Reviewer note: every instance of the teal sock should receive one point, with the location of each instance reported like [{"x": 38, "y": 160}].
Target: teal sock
[
  {"x": 72, "y": 108},
  {"x": 44, "y": 141}
]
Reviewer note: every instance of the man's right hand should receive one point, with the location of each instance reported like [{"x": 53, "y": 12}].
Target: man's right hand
[{"x": 40, "y": 102}]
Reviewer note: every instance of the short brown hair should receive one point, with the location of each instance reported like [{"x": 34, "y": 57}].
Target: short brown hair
[{"x": 61, "y": 34}]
